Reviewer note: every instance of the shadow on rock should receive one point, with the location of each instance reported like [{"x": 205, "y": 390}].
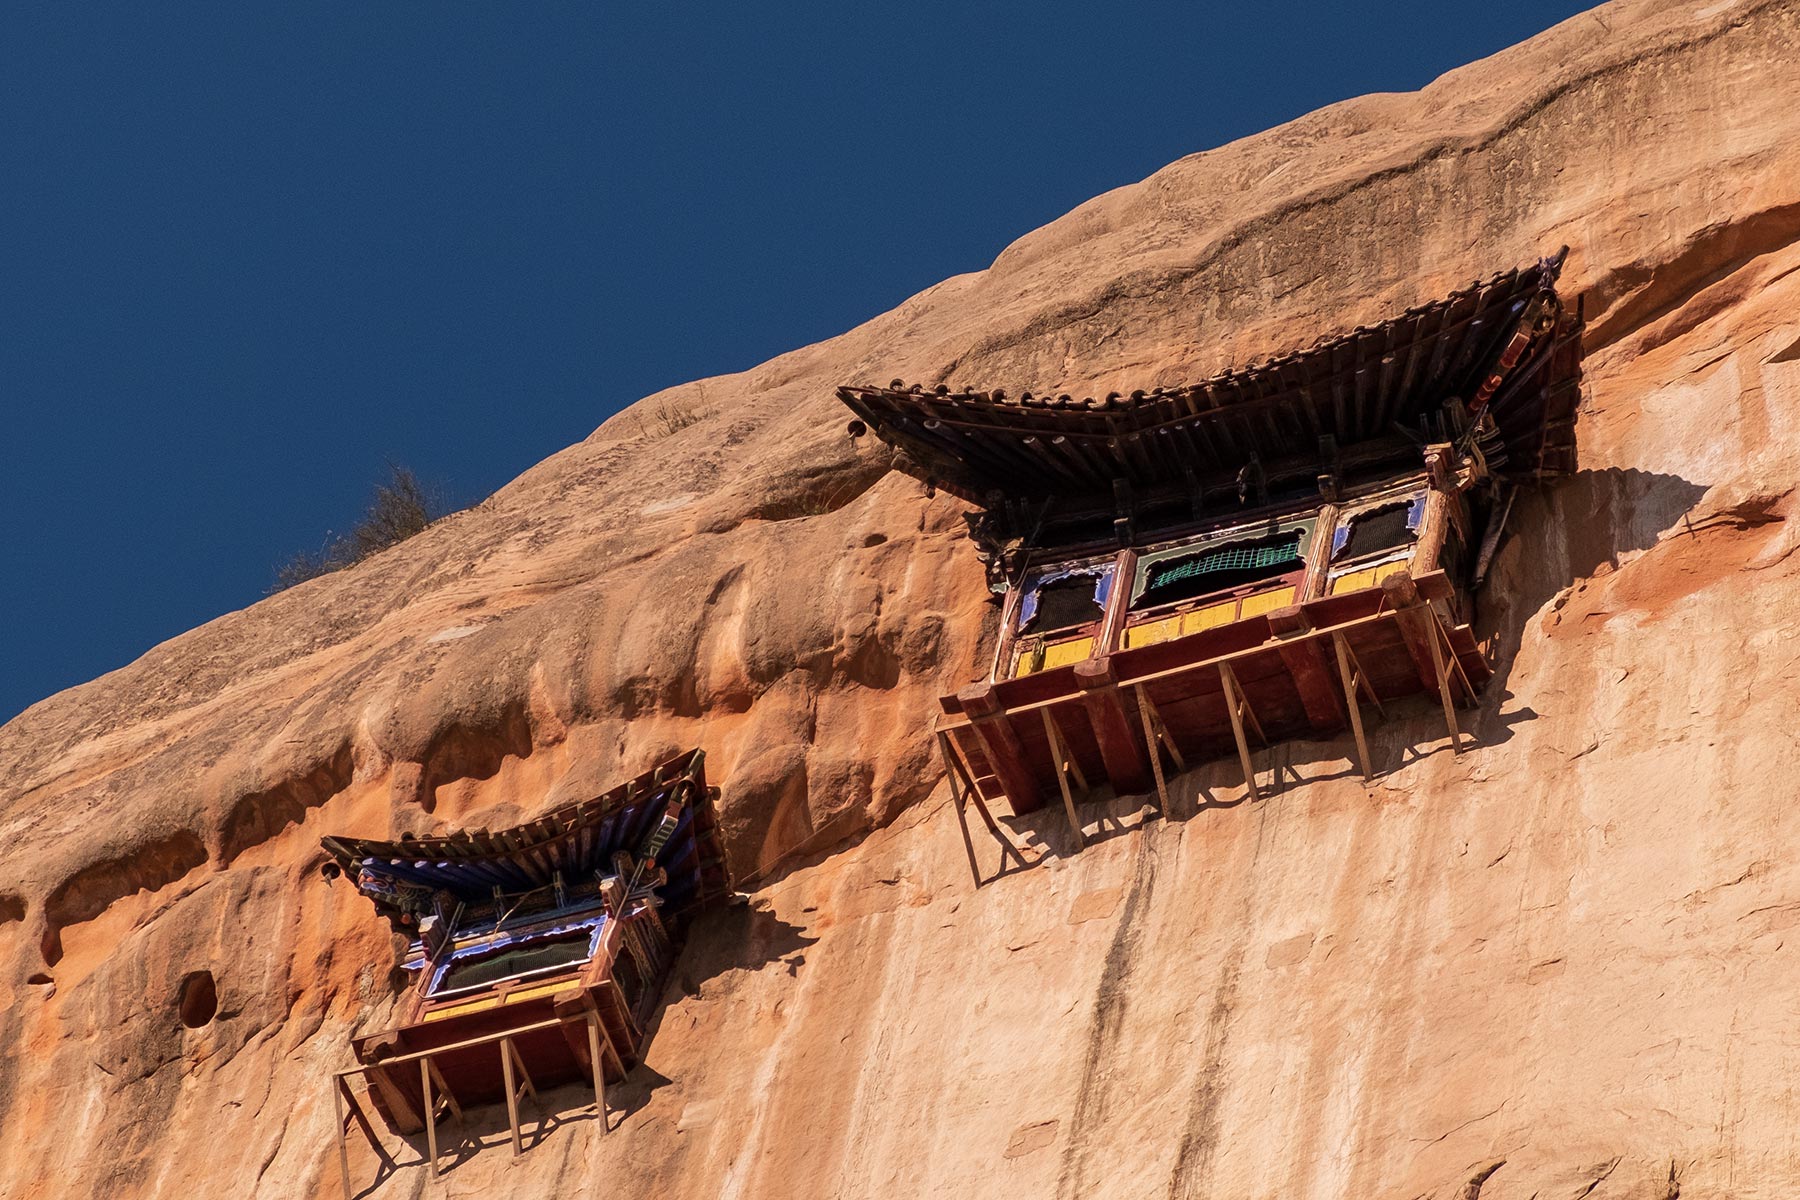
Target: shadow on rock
[
  {"x": 1561, "y": 535},
  {"x": 743, "y": 935}
]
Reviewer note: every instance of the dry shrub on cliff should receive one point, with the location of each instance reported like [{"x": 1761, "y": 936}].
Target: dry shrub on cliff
[
  {"x": 400, "y": 507},
  {"x": 669, "y": 417}
]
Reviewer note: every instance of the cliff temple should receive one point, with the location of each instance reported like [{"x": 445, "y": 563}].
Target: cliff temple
[
  {"x": 1254, "y": 557},
  {"x": 538, "y": 953}
]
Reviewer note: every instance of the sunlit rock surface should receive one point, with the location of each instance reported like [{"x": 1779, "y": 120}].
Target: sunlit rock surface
[{"x": 1556, "y": 966}]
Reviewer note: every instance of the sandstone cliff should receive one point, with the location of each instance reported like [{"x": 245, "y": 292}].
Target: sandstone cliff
[{"x": 1555, "y": 966}]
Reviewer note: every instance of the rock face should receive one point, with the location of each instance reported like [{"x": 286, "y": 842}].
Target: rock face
[{"x": 1554, "y": 966}]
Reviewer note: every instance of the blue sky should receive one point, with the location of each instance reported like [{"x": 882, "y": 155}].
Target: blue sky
[{"x": 250, "y": 253}]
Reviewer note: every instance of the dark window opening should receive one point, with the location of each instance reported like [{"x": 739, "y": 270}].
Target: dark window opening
[
  {"x": 199, "y": 1001},
  {"x": 1220, "y": 567},
  {"x": 565, "y": 951},
  {"x": 1067, "y": 603},
  {"x": 1374, "y": 532}
]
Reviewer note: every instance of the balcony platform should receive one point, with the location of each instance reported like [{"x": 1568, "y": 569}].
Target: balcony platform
[{"x": 1310, "y": 670}]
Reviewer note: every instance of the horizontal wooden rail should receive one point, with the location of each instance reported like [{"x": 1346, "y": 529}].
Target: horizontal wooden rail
[
  {"x": 433, "y": 1088},
  {"x": 1355, "y": 679}
]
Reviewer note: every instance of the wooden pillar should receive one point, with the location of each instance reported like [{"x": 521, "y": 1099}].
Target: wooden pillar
[
  {"x": 430, "y": 1113},
  {"x": 512, "y": 1095},
  {"x": 1444, "y": 692},
  {"x": 1306, "y": 664},
  {"x": 1119, "y": 749},
  {"x": 1235, "y": 703},
  {"x": 1004, "y": 750},
  {"x": 1318, "y": 559},
  {"x": 1118, "y": 603},
  {"x": 1146, "y": 714},
  {"x": 337, "y": 1106},
  {"x": 1443, "y": 509},
  {"x": 1402, "y": 596},
  {"x": 1009, "y": 616},
  {"x": 1058, "y": 754},
  {"x": 599, "y": 1065},
  {"x": 961, "y": 770},
  {"x": 1356, "y": 725}
]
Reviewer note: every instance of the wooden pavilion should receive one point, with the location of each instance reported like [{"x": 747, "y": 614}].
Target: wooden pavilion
[
  {"x": 538, "y": 953},
  {"x": 1261, "y": 555}
]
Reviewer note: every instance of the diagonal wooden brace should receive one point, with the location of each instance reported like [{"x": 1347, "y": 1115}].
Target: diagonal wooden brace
[
  {"x": 1235, "y": 707},
  {"x": 1349, "y": 680},
  {"x": 1059, "y": 759}
]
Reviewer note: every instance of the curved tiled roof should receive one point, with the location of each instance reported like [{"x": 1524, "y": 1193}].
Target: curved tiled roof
[
  {"x": 575, "y": 839},
  {"x": 1354, "y": 387}
]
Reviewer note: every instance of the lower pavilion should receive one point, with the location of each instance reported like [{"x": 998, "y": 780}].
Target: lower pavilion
[{"x": 538, "y": 954}]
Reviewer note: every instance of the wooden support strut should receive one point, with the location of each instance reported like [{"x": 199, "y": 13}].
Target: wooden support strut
[
  {"x": 1237, "y": 706},
  {"x": 1350, "y": 681},
  {"x": 1001, "y": 742},
  {"x": 430, "y": 1106},
  {"x": 1060, "y": 758},
  {"x": 1443, "y": 683},
  {"x": 510, "y": 1062},
  {"x": 1155, "y": 730},
  {"x": 337, "y": 1107},
  {"x": 969, "y": 793},
  {"x": 594, "y": 1032}
]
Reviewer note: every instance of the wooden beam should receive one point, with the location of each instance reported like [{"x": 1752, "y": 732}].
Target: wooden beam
[
  {"x": 1234, "y": 704},
  {"x": 1062, "y": 776},
  {"x": 594, "y": 1031},
  {"x": 1444, "y": 692},
  {"x": 512, "y": 1095},
  {"x": 947, "y": 745},
  {"x": 1162, "y": 787},
  {"x": 1066, "y": 756},
  {"x": 430, "y": 1112},
  {"x": 343, "y": 1141},
  {"x": 526, "y": 1086},
  {"x": 1356, "y": 725},
  {"x": 444, "y": 1089},
  {"x": 1244, "y": 707},
  {"x": 1100, "y": 695},
  {"x": 1004, "y": 750},
  {"x": 1305, "y": 661},
  {"x": 362, "y": 1123},
  {"x": 1401, "y": 594}
]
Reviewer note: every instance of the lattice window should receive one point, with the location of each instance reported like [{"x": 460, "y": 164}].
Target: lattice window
[
  {"x": 1270, "y": 556},
  {"x": 472, "y": 972}
]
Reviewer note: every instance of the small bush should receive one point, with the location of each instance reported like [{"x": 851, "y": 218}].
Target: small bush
[
  {"x": 400, "y": 507},
  {"x": 668, "y": 417}
]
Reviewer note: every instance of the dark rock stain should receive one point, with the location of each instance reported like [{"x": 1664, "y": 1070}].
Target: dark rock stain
[{"x": 1108, "y": 1022}]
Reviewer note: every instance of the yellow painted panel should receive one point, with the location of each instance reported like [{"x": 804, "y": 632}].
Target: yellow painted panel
[
  {"x": 1210, "y": 617},
  {"x": 1061, "y": 654},
  {"x": 542, "y": 989},
  {"x": 1151, "y": 632},
  {"x": 1365, "y": 578},
  {"x": 1268, "y": 601},
  {"x": 1030, "y": 659},
  {"x": 474, "y": 1006}
]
